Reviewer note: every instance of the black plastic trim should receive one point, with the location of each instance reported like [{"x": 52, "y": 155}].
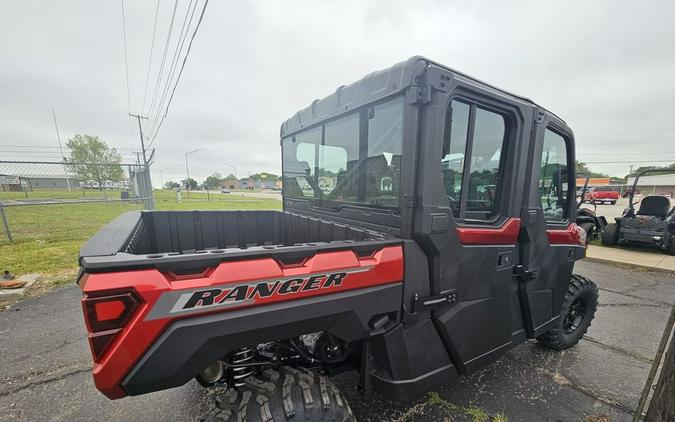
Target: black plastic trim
[
  {"x": 411, "y": 389},
  {"x": 187, "y": 346}
]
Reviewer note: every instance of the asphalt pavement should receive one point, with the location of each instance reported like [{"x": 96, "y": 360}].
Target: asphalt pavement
[
  {"x": 46, "y": 363},
  {"x": 609, "y": 211}
]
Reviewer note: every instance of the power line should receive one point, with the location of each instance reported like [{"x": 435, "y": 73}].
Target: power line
[
  {"x": 623, "y": 134},
  {"x": 126, "y": 61},
  {"x": 52, "y": 147},
  {"x": 173, "y": 91},
  {"x": 628, "y": 162},
  {"x": 174, "y": 61},
  {"x": 152, "y": 48},
  {"x": 660, "y": 154},
  {"x": 166, "y": 49}
]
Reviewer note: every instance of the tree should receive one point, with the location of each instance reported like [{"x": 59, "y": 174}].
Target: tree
[
  {"x": 581, "y": 167},
  {"x": 92, "y": 160},
  {"x": 171, "y": 185},
  {"x": 189, "y": 183},
  {"x": 213, "y": 181},
  {"x": 268, "y": 177},
  {"x": 643, "y": 168}
]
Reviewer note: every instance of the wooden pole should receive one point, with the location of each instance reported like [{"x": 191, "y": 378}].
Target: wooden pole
[{"x": 662, "y": 404}]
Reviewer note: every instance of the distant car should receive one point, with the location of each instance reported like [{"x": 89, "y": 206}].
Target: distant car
[
  {"x": 224, "y": 191},
  {"x": 601, "y": 194},
  {"x": 627, "y": 193}
]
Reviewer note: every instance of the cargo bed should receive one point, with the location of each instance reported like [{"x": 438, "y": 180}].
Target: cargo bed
[{"x": 186, "y": 240}]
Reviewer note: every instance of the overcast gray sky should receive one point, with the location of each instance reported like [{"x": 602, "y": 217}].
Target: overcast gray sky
[{"x": 606, "y": 67}]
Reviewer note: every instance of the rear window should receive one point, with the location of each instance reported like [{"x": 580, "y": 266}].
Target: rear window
[
  {"x": 354, "y": 159},
  {"x": 604, "y": 189}
]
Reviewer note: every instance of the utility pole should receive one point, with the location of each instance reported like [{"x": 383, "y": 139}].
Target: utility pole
[
  {"x": 58, "y": 136},
  {"x": 150, "y": 202}
]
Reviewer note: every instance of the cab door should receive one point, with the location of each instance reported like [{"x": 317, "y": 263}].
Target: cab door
[
  {"x": 549, "y": 242},
  {"x": 469, "y": 219}
]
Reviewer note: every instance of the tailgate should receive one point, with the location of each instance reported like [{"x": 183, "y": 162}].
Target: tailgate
[{"x": 184, "y": 321}]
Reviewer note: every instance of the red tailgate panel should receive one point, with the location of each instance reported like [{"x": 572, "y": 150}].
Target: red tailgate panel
[{"x": 230, "y": 285}]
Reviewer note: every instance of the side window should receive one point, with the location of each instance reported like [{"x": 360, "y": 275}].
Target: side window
[
  {"x": 300, "y": 164},
  {"x": 383, "y": 164},
  {"x": 339, "y": 160},
  {"x": 472, "y": 156},
  {"x": 454, "y": 147},
  {"x": 553, "y": 177}
]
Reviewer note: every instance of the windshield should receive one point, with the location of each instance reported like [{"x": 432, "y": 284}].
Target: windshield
[{"x": 352, "y": 160}]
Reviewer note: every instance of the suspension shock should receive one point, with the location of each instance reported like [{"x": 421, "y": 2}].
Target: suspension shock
[{"x": 238, "y": 370}]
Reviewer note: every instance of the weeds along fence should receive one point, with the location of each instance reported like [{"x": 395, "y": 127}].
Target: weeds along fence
[{"x": 49, "y": 201}]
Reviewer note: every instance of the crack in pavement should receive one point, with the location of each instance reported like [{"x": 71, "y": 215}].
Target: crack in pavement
[
  {"x": 631, "y": 305},
  {"x": 619, "y": 350},
  {"x": 588, "y": 391},
  {"x": 61, "y": 346},
  {"x": 664, "y": 304},
  {"x": 76, "y": 369}
]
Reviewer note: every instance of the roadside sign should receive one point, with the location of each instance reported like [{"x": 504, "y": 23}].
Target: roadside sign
[{"x": 9, "y": 180}]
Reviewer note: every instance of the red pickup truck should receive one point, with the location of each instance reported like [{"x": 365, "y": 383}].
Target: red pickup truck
[{"x": 601, "y": 194}]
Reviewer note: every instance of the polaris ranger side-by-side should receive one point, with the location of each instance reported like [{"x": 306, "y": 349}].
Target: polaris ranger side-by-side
[{"x": 427, "y": 228}]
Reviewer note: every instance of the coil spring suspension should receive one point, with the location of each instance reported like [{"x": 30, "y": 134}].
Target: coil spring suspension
[{"x": 240, "y": 373}]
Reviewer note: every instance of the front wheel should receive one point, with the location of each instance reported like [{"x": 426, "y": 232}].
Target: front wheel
[
  {"x": 283, "y": 394},
  {"x": 612, "y": 202},
  {"x": 578, "y": 310}
]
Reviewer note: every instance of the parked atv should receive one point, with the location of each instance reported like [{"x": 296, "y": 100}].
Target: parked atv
[
  {"x": 653, "y": 225},
  {"x": 427, "y": 228},
  {"x": 586, "y": 218}
]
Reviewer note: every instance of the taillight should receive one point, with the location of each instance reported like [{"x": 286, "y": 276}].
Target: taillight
[
  {"x": 106, "y": 316},
  {"x": 581, "y": 236}
]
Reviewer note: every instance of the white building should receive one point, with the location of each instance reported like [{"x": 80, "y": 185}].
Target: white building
[{"x": 660, "y": 184}]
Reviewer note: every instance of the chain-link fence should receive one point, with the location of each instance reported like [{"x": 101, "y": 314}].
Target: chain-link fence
[{"x": 47, "y": 201}]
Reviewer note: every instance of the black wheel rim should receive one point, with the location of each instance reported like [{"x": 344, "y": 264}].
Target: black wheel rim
[{"x": 574, "y": 316}]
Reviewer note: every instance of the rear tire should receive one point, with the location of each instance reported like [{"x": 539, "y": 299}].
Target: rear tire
[
  {"x": 283, "y": 394},
  {"x": 610, "y": 235},
  {"x": 671, "y": 249},
  {"x": 578, "y": 310}
]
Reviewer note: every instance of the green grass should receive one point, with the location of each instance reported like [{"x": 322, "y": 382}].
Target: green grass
[
  {"x": 60, "y": 194},
  {"x": 47, "y": 238},
  {"x": 475, "y": 413}
]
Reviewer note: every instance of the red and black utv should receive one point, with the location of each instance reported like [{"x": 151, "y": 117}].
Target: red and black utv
[{"x": 427, "y": 228}]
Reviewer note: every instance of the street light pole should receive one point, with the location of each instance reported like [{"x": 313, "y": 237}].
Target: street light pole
[
  {"x": 63, "y": 157},
  {"x": 161, "y": 180},
  {"x": 233, "y": 168},
  {"x": 187, "y": 169}
]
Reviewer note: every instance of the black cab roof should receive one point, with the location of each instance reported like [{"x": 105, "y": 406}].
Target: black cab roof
[{"x": 375, "y": 86}]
